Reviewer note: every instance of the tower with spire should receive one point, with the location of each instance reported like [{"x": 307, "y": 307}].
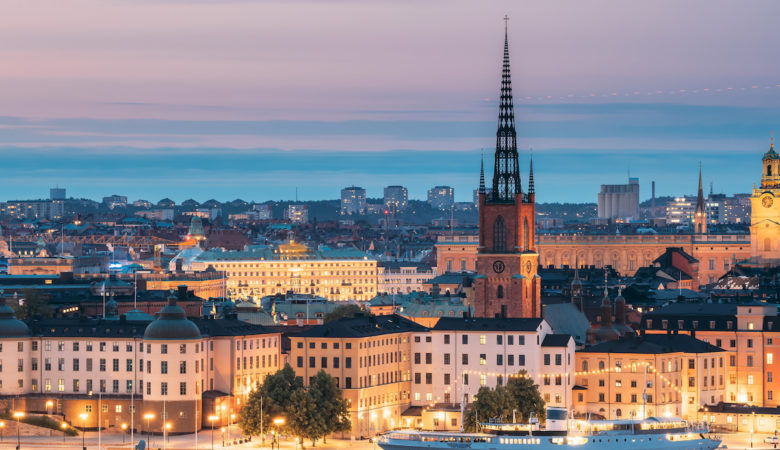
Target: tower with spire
[
  {"x": 507, "y": 284},
  {"x": 700, "y": 214},
  {"x": 765, "y": 211}
]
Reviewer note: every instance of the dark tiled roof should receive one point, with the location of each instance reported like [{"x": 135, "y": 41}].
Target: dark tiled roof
[
  {"x": 229, "y": 327},
  {"x": 556, "y": 340},
  {"x": 363, "y": 326},
  {"x": 655, "y": 344},
  {"x": 705, "y": 314},
  {"x": 487, "y": 324},
  {"x": 87, "y": 328}
]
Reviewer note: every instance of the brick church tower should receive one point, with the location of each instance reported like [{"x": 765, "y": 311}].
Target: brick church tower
[{"x": 507, "y": 284}]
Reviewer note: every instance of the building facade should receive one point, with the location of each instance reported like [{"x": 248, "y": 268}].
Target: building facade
[
  {"x": 353, "y": 201},
  {"x": 403, "y": 277},
  {"x": 396, "y": 197},
  {"x": 619, "y": 201},
  {"x": 441, "y": 197}
]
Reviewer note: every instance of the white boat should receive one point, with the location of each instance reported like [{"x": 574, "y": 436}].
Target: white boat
[{"x": 653, "y": 433}]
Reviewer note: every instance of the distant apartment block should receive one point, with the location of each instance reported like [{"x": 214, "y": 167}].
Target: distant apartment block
[
  {"x": 57, "y": 193},
  {"x": 115, "y": 201},
  {"x": 262, "y": 212},
  {"x": 142, "y": 204},
  {"x": 297, "y": 213},
  {"x": 353, "y": 200},
  {"x": 33, "y": 209},
  {"x": 396, "y": 197},
  {"x": 441, "y": 197},
  {"x": 156, "y": 214},
  {"x": 619, "y": 200}
]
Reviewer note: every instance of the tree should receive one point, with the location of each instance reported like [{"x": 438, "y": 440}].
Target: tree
[
  {"x": 489, "y": 404},
  {"x": 276, "y": 399},
  {"x": 330, "y": 405},
  {"x": 33, "y": 304},
  {"x": 526, "y": 397},
  {"x": 304, "y": 420},
  {"x": 343, "y": 311}
]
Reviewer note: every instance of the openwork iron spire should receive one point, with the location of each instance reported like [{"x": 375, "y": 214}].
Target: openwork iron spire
[
  {"x": 506, "y": 172},
  {"x": 700, "y": 197},
  {"x": 531, "y": 189},
  {"x": 482, "y": 176}
]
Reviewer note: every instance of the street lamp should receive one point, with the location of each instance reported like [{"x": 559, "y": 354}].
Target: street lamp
[
  {"x": 168, "y": 431},
  {"x": 2, "y": 430},
  {"x": 279, "y": 422},
  {"x": 49, "y": 404},
  {"x": 83, "y": 427},
  {"x": 64, "y": 427},
  {"x": 148, "y": 417},
  {"x": 18, "y": 415},
  {"x": 124, "y": 431},
  {"x": 212, "y": 419}
]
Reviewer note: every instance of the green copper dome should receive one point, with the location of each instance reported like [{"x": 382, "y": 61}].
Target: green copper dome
[
  {"x": 771, "y": 154},
  {"x": 10, "y": 326},
  {"x": 172, "y": 323}
]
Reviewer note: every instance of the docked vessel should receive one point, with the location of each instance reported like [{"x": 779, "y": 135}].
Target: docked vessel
[{"x": 653, "y": 433}]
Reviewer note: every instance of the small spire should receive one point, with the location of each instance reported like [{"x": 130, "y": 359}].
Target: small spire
[
  {"x": 531, "y": 189},
  {"x": 482, "y": 175},
  {"x": 700, "y": 205},
  {"x": 771, "y": 140}
]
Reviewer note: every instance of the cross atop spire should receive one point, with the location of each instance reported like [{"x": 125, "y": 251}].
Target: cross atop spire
[{"x": 506, "y": 171}]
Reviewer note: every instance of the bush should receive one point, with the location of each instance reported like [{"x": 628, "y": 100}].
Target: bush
[{"x": 43, "y": 422}]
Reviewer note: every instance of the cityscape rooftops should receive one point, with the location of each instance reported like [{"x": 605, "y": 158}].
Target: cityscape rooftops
[
  {"x": 487, "y": 324},
  {"x": 651, "y": 344},
  {"x": 363, "y": 326}
]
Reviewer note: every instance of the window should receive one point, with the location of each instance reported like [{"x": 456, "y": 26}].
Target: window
[
  {"x": 499, "y": 237},
  {"x": 429, "y": 378},
  {"x": 300, "y": 361},
  {"x": 446, "y": 339},
  {"x": 750, "y": 343},
  {"x": 183, "y": 388},
  {"x": 520, "y": 360},
  {"x": 482, "y": 339},
  {"x": 312, "y": 361},
  {"x": 115, "y": 364},
  {"x": 499, "y": 360},
  {"x": 558, "y": 359},
  {"x": 446, "y": 359},
  {"x": 749, "y": 361},
  {"x": 465, "y": 358},
  {"x": 750, "y": 379},
  {"x": 163, "y": 388},
  {"x": 464, "y": 339},
  {"x": 183, "y": 367},
  {"x": 348, "y": 362},
  {"x": 102, "y": 364},
  {"x": 483, "y": 380},
  {"x": 482, "y": 359},
  {"x": 769, "y": 358},
  {"x": 428, "y": 358},
  {"x": 499, "y": 340},
  {"x": 500, "y": 291},
  {"x": 446, "y": 378},
  {"x": 164, "y": 350},
  {"x": 546, "y": 359},
  {"x": 163, "y": 367}
]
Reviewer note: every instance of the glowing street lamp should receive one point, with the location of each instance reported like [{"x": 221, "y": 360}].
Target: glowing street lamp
[
  {"x": 124, "y": 430},
  {"x": 149, "y": 417},
  {"x": 83, "y": 417},
  {"x": 168, "y": 431},
  {"x": 64, "y": 427},
  {"x": 18, "y": 415},
  {"x": 212, "y": 419},
  {"x": 2, "y": 430},
  {"x": 49, "y": 405},
  {"x": 223, "y": 435}
]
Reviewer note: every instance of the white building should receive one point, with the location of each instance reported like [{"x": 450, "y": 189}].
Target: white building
[
  {"x": 403, "y": 277},
  {"x": 396, "y": 197},
  {"x": 118, "y": 369},
  {"x": 441, "y": 197},
  {"x": 353, "y": 200},
  {"x": 459, "y": 355},
  {"x": 619, "y": 201},
  {"x": 297, "y": 213}
]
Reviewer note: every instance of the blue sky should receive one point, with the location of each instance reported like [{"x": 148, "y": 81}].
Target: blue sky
[{"x": 254, "y": 99}]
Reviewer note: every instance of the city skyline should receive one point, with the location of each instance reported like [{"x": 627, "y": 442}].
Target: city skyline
[{"x": 286, "y": 97}]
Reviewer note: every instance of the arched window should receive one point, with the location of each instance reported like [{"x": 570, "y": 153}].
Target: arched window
[
  {"x": 767, "y": 244},
  {"x": 499, "y": 235},
  {"x": 526, "y": 233},
  {"x": 585, "y": 366},
  {"x": 601, "y": 365},
  {"x": 618, "y": 412},
  {"x": 500, "y": 291},
  {"x": 769, "y": 170}
]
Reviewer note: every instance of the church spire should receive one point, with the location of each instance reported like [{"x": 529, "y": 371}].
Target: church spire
[
  {"x": 700, "y": 214},
  {"x": 506, "y": 171},
  {"x": 531, "y": 189},
  {"x": 700, "y": 195},
  {"x": 482, "y": 175}
]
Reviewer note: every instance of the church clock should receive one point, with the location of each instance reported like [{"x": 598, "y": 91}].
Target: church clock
[
  {"x": 767, "y": 201},
  {"x": 498, "y": 266}
]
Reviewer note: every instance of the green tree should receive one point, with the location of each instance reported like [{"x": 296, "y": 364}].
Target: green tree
[
  {"x": 304, "y": 420},
  {"x": 276, "y": 393},
  {"x": 330, "y": 404},
  {"x": 526, "y": 397},
  {"x": 33, "y": 304},
  {"x": 343, "y": 311},
  {"x": 489, "y": 404}
]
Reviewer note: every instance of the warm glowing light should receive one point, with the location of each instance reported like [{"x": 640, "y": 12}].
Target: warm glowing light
[
  {"x": 49, "y": 404},
  {"x": 63, "y": 425},
  {"x": 124, "y": 426},
  {"x": 213, "y": 418},
  {"x": 18, "y": 414},
  {"x": 168, "y": 426},
  {"x": 148, "y": 416},
  {"x": 279, "y": 421},
  {"x": 83, "y": 416}
]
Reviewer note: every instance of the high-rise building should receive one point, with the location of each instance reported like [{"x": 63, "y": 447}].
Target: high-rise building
[
  {"x": 507, "y": 284},
  {"x": 396, "y": 197},
  {"x": 353, "y": 200},
  {"x": 115, "y": 201},
  {"x": 441, "y": 197},
  {"x": 680, "y": 211},
  {"x": 619, "y": 201},
  {"x": 57, "y": 193},
  {"x": 297, "y": 213}
]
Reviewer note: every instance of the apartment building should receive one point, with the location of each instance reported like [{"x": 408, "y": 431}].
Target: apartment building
[
  {"x": 117, "y": 370},
  {"x": 651, "y": 375},
  {"x": 370, "y": 359},
  {"x": 403, "y": 277},
  {"x": 749, "y": 332}
]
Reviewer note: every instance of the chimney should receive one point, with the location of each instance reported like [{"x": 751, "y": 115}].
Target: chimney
[
  {"x": 652, "y": 201},
  {"x": 182, "y": 292}
]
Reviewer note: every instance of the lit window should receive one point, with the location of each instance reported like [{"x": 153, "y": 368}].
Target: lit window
[
  {"x": 482, "y": 340},
  {"x": 769, "y": 358},
  {"x": 750, "y": 379},
  {"x": 483, "y": 380}
]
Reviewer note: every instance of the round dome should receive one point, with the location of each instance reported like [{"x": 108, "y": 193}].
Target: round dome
[
  {"x": 172, "y": 323},
  {"x": 10, "y": 326}
]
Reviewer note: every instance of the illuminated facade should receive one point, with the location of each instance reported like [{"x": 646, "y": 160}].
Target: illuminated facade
[
  {"x": 335, "y": 274},
  {"x": 370, "y": 359},
  {"x": 765, "y": 211},
  {"x": 652, "y": 375}
]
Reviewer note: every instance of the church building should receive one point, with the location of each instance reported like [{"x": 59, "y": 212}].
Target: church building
[{"x": 507, "y": 284}]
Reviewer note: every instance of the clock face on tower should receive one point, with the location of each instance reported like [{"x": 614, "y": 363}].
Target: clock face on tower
[
  {"x": 767, "y": 201},
  {"x": 498, "y": 266}
]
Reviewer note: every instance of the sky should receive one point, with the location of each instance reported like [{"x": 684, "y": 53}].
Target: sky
[{"x": 254, "y": 99}]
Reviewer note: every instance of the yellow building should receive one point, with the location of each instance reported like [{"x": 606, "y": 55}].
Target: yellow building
[
  {"x": 678, "y": 374},
  {"x": 370, "y": 359},
  {"x": 765, "y": 211},
  {"x": 335, "y": 274}
]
